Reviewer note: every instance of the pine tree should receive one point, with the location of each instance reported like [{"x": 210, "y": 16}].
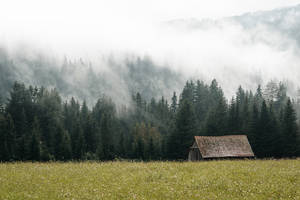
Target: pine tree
[
  {"x": 271, "y": 91},
  {"x": 78, "y": 141},
  {"x": 290, "y": 131},
  {"x": 233, "y": 117},
  {"x": 245, "y": 127},
  {"x": 99, "y": 150},
  {"x": 266, "y": 137},
  {"x": 258, "y": 97},
  {"x": 151, "y": 150},
  {"x": 22, "y": 138},
  {"x": 188, "y": 93},
  {"x": 58, "y": 148},
  {"x": 216, "y": 123},
  {"x": 4, "y": 154},
  {"x": 121, "y": 146},
  {"x": 45, "y": 155},
  {"x": 215, "y": 94},
  {"x": 89, "y": 132},
  {"x": 281, "y": 97},
  {"x": 84, "y": 112},
  {"x": 174, "y": 104},
  {"x": 107, "y": 137},
  {"x": 201, "y": 102},
  {"x": 254, "y": 128},
  {"x": 35, "y": 141},
  {"x": 139, "y": 149},
  {"x": 1, "y": 106},
  {"x": 66, "y": 146},
  {"x": 274, "y": 134},
  {"x": 11, "y": 136},
  {"x": 264, "y": 120},
  {"x": 185, "y": 130}
]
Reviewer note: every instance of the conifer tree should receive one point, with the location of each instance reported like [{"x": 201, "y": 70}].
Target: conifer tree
[
  {"x": 264, "y": 120},
  {"x": 121, "y": 146},
  {"x": 11, "y": 136},
  {"x": 99, "y": 150},
  {"x": 66, "y": 146},
  {"x": 1, "y": 106},
  {"x": 290, "y": 131},
  {"x": 233, "y": 117},
  {"x": 201, "y": 101},
  {"x": 35, "y": 141},
  {"x": 78, "y": 142},
  {"x": 59, "y": 144},
  {"x": 216, "y": 123},
  {"x": 188, "y": 93},
  {"x": 7, "y": 137},
  {"x": 253, "y": 135},
  {"x": 258, "y": 97},
  {"x": 267, "y": 127},
  {"x": 281, "y": 97},
  {"x": 174, "y": 103},
  {"x": 4, "y": 154},
  {"x": 185, "y": 130},
  {"x": 107, "y": 137},
  {"x": 22, "y": 138},
  {"x": 151, "y": 150}
]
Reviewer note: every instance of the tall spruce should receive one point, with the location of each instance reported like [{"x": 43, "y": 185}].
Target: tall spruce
[
  {"x": 253, "y": 135},
  {"x": 290, "y": 131},
  {"x": 35, "y": 149},
  {"x": 216, "y": 122},
  {"x": 185, "y": 130}
]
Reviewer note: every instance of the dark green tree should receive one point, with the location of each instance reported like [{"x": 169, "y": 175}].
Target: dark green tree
[
  {"x": 254, "y": 131},
  {"x": 63, "y": 149},
  {"x": 216, "y": 123},
  {"x": 35, "y": 147},
  {"x": 78, "y": 142},
  {"x": 107, "y": 136},
  {"x": 174, "y": 103},
  {"x": 185, "y": 129},
  {"x": 4, "y": 153},
  {"x": 290, "y": 131},
  {"x": 266, "y": 135}
]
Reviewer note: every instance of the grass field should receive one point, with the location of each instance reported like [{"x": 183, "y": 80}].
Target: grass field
[{"x": 253, "y": 179}]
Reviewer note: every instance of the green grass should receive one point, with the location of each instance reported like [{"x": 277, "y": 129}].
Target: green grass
[{"x": 253, "y": 179}]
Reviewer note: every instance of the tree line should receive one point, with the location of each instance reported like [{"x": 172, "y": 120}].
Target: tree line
[{"x": 37, "y": 125}]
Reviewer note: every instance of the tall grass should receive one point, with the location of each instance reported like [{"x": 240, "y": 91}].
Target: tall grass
[{"x": 250, "y": 179}]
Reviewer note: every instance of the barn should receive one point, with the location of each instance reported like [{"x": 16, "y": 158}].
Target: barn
[{"x": 212, "y": 147}]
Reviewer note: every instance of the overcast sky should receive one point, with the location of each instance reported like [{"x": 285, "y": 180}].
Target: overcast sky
[
  {"x": 98, "y": 11},
  {"x": 110, "y": 23}
]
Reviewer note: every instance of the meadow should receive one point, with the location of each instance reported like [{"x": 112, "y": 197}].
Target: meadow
[{"x": 243, "y": 179}]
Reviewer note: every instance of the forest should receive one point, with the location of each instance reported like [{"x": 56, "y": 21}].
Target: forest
[{"x": 37, "y": 124}]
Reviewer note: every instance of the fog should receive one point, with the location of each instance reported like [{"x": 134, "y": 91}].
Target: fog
[{"x": 195, "y": 40}]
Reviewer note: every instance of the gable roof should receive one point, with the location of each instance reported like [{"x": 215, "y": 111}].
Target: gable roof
[{"x": 224, "y": 146}]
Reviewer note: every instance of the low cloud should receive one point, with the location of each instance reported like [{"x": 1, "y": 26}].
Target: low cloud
[{"x": 233, "y": 51}]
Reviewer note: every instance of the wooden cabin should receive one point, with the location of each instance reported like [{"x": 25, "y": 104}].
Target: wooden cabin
[{"x": 213, "y": 147}]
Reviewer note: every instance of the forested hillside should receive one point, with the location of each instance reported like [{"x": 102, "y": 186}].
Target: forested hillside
[
  {"x": 260, "y": 25},
  {"x": 37, "y": 124},
  {"x": 86, "y": 80}
]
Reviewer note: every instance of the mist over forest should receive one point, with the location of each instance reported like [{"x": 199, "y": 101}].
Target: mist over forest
[
  {"x": 87, "y": 81},
  {"x": 255, "y": 48},
  {"x": 143, "y": 92}
]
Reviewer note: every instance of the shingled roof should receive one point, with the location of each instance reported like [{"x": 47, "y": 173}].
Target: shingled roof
[{"x": 224, "y": 146}]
